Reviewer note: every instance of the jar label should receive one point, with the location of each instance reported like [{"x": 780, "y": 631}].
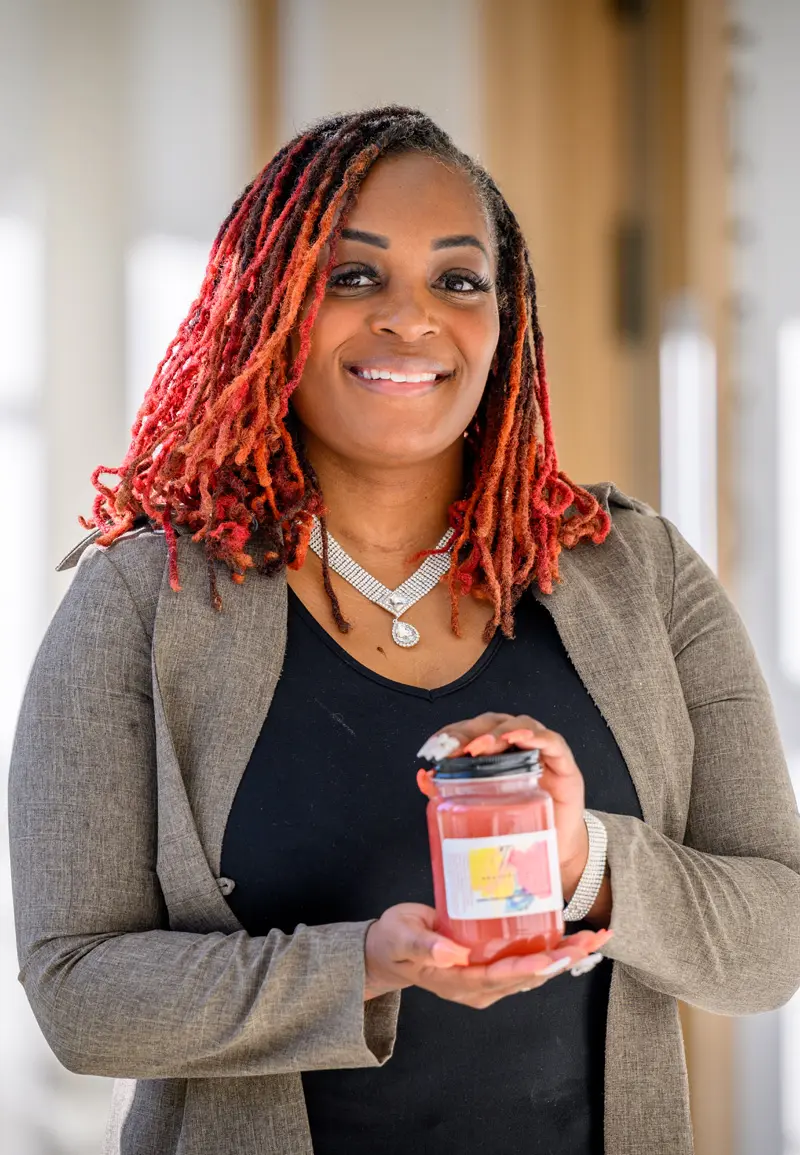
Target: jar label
[{"x": 505, "y": 876}]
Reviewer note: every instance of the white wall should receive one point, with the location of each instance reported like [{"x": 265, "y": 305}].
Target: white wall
[
  {"x": 765, "y": 174},
  {"x": 124, "y": 138},
  {"x": 348, "y": 54}
]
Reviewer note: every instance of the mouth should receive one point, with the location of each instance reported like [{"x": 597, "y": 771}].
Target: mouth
[{"x": 408, "y": 381}]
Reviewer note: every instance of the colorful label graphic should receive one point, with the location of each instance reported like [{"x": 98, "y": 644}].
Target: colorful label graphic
[{"x": 502, "y": 877}]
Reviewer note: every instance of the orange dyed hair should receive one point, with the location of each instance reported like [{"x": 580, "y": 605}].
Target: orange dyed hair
[{"x": 215, "y": 449}]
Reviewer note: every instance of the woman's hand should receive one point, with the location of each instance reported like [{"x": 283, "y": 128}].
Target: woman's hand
[
  {"x": 561, "y": 778},
  {"x": 403, "y": 950}
]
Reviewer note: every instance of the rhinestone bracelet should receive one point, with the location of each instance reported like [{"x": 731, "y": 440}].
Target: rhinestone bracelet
[{"x": 594, "y": 872}]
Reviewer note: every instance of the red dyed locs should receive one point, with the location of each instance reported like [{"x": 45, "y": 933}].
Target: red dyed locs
[{"x": 214, "y": 451}]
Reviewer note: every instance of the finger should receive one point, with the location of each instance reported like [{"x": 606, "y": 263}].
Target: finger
[
  {"x": 509, "y": 731},
  {"x": 480, "y": 986},
  {"x": 589, "y": 940},
  {"x": 552, "y": 746},
  {"x": 425, "y": 947},
  {"x": 524, "y": 737},
  {"x": 530, "y": 734},
  {"x": 501, "y": 738},
  {"x": 502, "y": 735},
  {"x": 522, "y": 723},
  {"x": 525, "y": 973},
  {"x": 483, "y": 744},
  {"x": 543, "y": 966},
  {"x": 460, "y": 732}
]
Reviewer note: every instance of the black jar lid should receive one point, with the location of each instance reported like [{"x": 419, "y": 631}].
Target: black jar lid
[{"x": 488, "y": 765}]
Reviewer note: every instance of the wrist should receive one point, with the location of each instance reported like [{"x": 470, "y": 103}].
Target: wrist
[
  {"x": 378, "y": 980},
  {"x": 573, "y": 866}
]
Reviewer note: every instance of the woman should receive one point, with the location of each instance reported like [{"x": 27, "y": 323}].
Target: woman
[{"x": 221, "y": 869}]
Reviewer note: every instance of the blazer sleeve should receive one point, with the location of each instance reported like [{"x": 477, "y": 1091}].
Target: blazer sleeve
[
  {"x": 714, "y": 921},
  {"x": 114, "y": 990}
]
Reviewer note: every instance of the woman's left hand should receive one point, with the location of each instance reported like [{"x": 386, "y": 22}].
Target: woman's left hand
[{"x": 561, "y": 778}]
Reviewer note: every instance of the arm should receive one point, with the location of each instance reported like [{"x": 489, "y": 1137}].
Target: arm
[
  {"x": 714, "y": 922},
  {"x": 113, "y": 989}
]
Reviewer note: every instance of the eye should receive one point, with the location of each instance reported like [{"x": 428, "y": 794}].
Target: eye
[
  {"x": 461, "y": 284},
  {"x": 356, "y": 277}
]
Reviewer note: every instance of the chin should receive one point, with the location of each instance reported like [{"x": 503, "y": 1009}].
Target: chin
[{"x": 398, "y": 447}]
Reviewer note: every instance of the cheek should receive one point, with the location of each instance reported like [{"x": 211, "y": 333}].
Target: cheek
[
  {"x": 336, "y": 322},
  {"x": 478, "y": 334}
]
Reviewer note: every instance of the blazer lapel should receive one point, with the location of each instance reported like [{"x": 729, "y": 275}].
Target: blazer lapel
[
  {"x": 607, "y": 614},
  {"x": 216, "y": 672}
]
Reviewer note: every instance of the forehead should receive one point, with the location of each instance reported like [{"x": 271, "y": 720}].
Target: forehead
[{"x": 418, "y": 195}]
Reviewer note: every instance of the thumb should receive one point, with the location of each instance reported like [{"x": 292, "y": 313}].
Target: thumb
[
  {"x": 446, "y": 953},
  {"x": 427, "y": 946}
]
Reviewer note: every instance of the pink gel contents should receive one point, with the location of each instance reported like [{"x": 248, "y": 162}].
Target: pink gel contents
[{"x": 490, "y": 814}]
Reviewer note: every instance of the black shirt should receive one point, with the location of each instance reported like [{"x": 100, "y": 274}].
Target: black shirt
[{"x": 328, "y": 825}]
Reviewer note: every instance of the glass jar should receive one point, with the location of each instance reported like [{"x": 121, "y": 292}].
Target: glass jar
[{"x": 494, "y": 854}]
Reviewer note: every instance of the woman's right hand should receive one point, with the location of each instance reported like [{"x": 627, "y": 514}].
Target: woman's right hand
[{"x": 403, "y": 949}]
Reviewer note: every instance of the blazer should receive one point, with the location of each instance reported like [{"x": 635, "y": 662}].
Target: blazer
[{"x": 138, "y": 720}]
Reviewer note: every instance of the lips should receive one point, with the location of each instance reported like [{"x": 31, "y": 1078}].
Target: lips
[{"x": 408, "y": 376}]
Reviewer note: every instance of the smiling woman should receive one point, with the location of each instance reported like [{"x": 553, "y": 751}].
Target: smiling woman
[
  {"x": 220, "y": 858},
  {"x": 376, "y": 232},
  {"x": 406, "y": 302}
]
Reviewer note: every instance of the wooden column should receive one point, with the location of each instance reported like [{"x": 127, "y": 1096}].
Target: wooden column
[
  {"x": 265, "y": 65},
  {"x": 557, "y": 145},
  {"x": 592, "y": 122}
]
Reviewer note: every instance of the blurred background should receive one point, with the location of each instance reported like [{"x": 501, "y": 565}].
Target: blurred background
[{"x": 650, "y": 152}]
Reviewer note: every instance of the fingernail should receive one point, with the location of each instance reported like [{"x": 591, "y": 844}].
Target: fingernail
[
  {"x": 555, "y": 968},
  {"x": 601, "y": 938},
  {"x": 585, "y": 965},
  {"x": 480, "y": 745},
  {"x": 438, "y": 746},
  {"x": 520, "y": 737},
  {"x": 450, "y": 954},
  {"x": 425, "y": 781}
]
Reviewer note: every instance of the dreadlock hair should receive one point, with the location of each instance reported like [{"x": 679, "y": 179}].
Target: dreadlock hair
[{"x": 215, "y": 448}]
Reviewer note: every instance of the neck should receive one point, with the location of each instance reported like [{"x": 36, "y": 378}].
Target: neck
[{"x": 387, "y": 513}]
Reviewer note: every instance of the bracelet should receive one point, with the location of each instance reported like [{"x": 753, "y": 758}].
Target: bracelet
[{"x": 594, "y": 872}]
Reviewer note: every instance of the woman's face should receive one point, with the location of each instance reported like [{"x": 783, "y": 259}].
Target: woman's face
[{"x": 411, "y": 294}]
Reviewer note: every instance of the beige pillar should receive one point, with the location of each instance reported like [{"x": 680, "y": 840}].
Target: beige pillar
[
  {"x": 563, "y": 143},
  {"x": 558, "y": 146},
  {"x": 82, "y": 150}
]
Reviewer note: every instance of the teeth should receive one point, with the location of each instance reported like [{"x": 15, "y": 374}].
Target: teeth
[{"x": 387, "y": 375}]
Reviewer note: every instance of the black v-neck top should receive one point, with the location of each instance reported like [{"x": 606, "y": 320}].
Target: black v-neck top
[{"x": 328, "y": 825}]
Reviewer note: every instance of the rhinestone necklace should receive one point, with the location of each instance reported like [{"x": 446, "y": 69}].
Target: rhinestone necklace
[{"x": 397, "y": 601}]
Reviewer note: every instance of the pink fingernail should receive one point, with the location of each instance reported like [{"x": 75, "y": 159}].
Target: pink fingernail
[
  {"x": 521, "y": 738},
  {"x": 480, "y": 745},
  {"x": 450, "y": 954}
]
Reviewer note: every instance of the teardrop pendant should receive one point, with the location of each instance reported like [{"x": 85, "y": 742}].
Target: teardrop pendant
[{"x": 404, "y": 634}]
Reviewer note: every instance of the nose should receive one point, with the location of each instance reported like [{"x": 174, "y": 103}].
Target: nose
[{"x": 406, "y": 316}]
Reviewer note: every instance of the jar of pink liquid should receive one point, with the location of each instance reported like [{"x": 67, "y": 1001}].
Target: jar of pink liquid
[{"x": 494, "y": 854}]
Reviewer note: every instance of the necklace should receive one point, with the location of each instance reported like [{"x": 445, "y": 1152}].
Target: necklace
[{"x": 397, "y": 601}]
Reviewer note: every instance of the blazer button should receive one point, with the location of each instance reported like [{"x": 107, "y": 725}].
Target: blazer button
[{"x": 226, "y": 885}]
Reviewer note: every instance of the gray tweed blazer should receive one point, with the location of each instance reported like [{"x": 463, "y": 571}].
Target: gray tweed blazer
[{"x": 139, "y": 717}]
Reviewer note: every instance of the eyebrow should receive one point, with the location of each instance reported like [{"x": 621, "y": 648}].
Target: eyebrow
[
  {"x": 366, "y": 238},
  {"x": 456, "y": 241}
]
